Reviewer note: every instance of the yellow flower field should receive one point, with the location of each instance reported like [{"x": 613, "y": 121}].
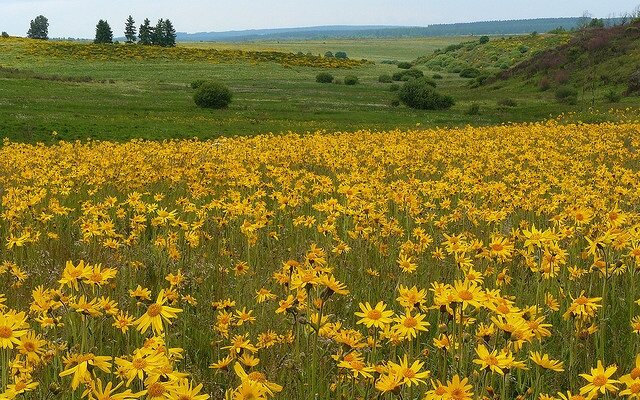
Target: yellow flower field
[{"x": 471, "y": 263}]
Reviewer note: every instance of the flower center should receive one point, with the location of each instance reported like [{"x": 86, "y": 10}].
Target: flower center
[
  {"x": 465, "y": 295},
  {"x": 635, "y": 373},
  {"x": 410, "y": 322},
  {"x": 156, "y": 390},
  {"x": 600, "y": 380},
  {"x": 409, "y": 373},
  {"x": 139, "y": 363},
  {"x": 154, "y": 310},
  {"x": 5, "y": 332},
  {"x": 582, "y": 300},
  {"x": 374, "y": 314}
]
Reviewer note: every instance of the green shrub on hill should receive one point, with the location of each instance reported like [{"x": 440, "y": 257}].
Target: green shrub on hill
[{"x": 421, "y": 94}]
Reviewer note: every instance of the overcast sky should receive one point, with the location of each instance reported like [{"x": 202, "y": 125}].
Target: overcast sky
[{"x": 77, "y": 18}]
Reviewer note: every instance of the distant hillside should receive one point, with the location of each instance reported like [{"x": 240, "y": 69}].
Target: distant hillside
[
  {"x": 492, "y": 56},
  {"x": 594, "y": 59},
  {"x": 334, "y": 32}
]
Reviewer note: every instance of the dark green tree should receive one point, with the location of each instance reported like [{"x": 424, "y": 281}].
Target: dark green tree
[
  {"x": 157, "y": 37},
  {"x": 39, "y": 28},
  {"x": 146, "y": 33},
  {"x": 169, "y": 34},
  {"x": 130, "y": 30},
  {"x": 104, "y": 34}
]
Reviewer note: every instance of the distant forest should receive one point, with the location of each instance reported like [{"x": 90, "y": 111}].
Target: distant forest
[{"x": 512, "y": 27}]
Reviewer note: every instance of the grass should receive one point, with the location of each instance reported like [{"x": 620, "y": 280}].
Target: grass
[{"x": 152, "y": 99}]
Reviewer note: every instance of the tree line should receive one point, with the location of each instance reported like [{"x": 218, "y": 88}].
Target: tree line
[{"x": 162, "y": 34}]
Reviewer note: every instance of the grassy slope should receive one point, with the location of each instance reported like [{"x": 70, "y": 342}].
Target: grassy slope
[
  {"x": 594, "y": 61},
  {"x": 151, "y": 99}
]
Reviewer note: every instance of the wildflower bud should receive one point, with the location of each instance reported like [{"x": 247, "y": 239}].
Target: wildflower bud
[
  {"x": 443, "y": 327},
  {"x": 55, "y": 389}
]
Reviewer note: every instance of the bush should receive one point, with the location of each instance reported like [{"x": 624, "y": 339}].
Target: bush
[
  {"x": 612, "y": 96},
  {"x": 469, "y": 73},
  {"x": 394, "y": 87},
  {"x": 324, "y": 77},
  {"x": 341, "y": 55},
  {"x": 507, "y": 103},
  {"x": 484, "y": 39},
  {"x": 212, "y": 95},
  {"x": 197, "y": 83},
  {"x": 405, "y": 65},
  {"x": 385, "y": 78},
  {"x": 567, "y": 95},
  {"x": 408, "y": 74},
  {"x": 544, "y": 84},
  {"x": 633, "y": 85},
  {"x": 328, "y": 54},
  {"x": 474, "y": 109},
  {"x": 420, "y": 94},
  {"x": 350, "y": 80},
  {"x": 436, "y": 76},
  {"x": 5, "y": 35}
]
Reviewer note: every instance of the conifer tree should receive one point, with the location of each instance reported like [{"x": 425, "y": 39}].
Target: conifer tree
[
  {"x": 130, "y": 30},
  {"x": 104, "y": 34},
  {"x": 145, "y": 33},
  {"x": 169, "y": 34}
]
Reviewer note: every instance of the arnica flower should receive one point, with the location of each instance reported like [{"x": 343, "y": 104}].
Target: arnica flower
[
  {"x": 599, "y": 380},
  {"x": 156, "y": 313}
]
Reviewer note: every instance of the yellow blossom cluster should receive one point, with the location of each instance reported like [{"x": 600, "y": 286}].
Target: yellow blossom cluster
[{"x": 471, "y": 263}]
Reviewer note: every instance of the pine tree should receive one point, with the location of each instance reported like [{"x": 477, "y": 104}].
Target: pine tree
[
  {"x": 169, "y": 34},
  {"x": 146, "y": 33},
  {"x": 130, "y": 30},
  {"x": 157, "y": 37},
  {"x": 104, "y": 34},
  {"x": 39, "y": 28}
]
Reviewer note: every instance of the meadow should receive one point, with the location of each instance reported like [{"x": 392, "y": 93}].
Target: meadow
[
  {"x": 104, "y": 97},
  {"x": 312, "y": 241},
  {"x": 348, "y": 265}
]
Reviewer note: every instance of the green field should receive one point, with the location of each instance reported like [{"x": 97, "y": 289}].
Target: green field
[{"x": 152, "y": 99}]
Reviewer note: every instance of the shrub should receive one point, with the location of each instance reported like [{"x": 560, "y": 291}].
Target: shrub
[
  {"x": 523, "y": 49},
  {"x": 474, "y": 109},
  {"x": 469, "y": 73},
  {"x": 633, "y": 84},
  {"x": 420, "y": 94},
  {"x": 436, "y": 76},
  {"x": 385, "y": 78},
  {"x": 212, "y": 95},
  {"x": 612, "y": 96},
  {"x": 394, "y": 87},
  {"x": 484, "y": 39},
  {"x": 567, "y": 95},
  {"x": 5, "y": 35},
  {"x": 405, "y": 65},
  {"x": 544, "y": 84},
  {"x": 328, "y": 54},
  {"x": 350, "y": 80},
  {"x": 395, "y": 103},
  {"x": 197, "y": 83},
  {"x": 507, "y": 103},
  {"x": 341, "y": 55},
  {"x": 408, "y": 74},
  {"x": 324, "y": 77}
]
